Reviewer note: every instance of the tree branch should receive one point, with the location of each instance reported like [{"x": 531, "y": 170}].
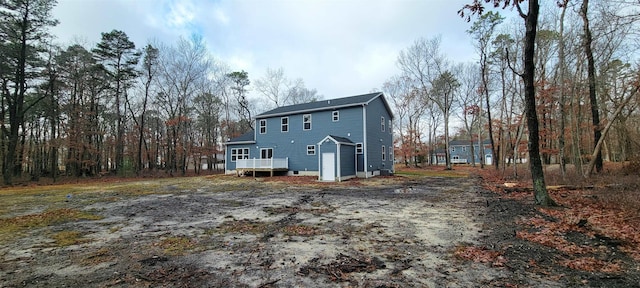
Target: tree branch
[
  {"x": 524, "y": 16},
  {"x": 509, "y": 64}
]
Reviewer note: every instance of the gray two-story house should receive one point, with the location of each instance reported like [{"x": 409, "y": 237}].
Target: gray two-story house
[
  {"x": 460, "y": 152},
  {"x": 333, "y": 139}
]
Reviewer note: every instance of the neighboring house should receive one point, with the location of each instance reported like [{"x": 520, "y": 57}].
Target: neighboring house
[
  {"x": 461, "y": 153},
  {"x": 333, "y": 139},
  {"x": 204, "y": 163}
]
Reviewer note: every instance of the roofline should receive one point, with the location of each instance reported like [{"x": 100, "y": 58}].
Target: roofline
[
  {"x": 384, "y": 101},
  {"x": 240, "y": 142},
  {"x": 262, "y": 116},
  {"x": 335, "y": 141}
]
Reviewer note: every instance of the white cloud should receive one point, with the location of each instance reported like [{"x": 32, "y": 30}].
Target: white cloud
[
  {"x": 221, "y": 17},
  {"x": 181, "y": 13},
  {"x": 338, "y": 47}
]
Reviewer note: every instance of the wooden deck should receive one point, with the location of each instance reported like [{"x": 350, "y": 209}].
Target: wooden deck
[{"x": 262, "y": 165}]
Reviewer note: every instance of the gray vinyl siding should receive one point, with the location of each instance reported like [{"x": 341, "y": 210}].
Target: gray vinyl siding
[
  {"x": 467, "y": 154},
  {"x": 375, "y": 110},
  {"x": 348, "y": 160},
  {"x": 253, "y": 153},
  {"x": 348, "y": 126}
]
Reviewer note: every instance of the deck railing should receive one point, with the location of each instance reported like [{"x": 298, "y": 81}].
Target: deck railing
[
  {"x": 272, "y": 163},
  {"x": 458, "y": 161}
]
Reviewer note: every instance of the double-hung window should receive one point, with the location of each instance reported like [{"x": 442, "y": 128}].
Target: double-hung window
[
  {"x": 384, "y": 153},
  {"x": 239, "y": 153},
  {"x": 335, "y": 116},
  {"x": 263, "y": 126},
  {"x": 382, "y": 123},
  {"x": 284, "y": 124},
  {"x": 359, "y": 149},
  {"x": 306, "y": 122},
  {"x": 311, "y": 149}
]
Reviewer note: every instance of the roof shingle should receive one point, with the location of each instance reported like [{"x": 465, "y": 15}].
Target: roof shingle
[
  {"x": 246, "y": 137},
  {"x": 320, "y": 105}
]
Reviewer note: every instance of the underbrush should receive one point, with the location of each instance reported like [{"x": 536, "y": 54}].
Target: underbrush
[{"x": 604, "y": 206}]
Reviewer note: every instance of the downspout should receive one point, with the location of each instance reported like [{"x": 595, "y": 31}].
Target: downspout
[
  {"x": 338, "y": 166},
  {"x": 319, "y": 159},
  {"x": 393, "y": 162},
  {"x": 364, "y": 141},
  {"x": 355, "y": 169}
]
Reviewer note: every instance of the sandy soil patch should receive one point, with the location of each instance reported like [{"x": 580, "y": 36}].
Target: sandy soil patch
[{"x": 225, "y": 231}]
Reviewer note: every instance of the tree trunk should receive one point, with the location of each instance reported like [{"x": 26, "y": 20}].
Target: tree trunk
[
  {"x": 591, "y": 75},
  {"x": 486, "y": 97},
  {"x": 535, "y": 164},
  {"x": 561, "y": 60},
  {"x": 600, "y": 142}
]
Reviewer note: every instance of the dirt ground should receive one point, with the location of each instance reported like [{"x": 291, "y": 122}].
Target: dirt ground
[{"x": 225, "y": 231}]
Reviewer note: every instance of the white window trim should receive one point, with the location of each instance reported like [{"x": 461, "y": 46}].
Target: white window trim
[
  {"x": 234, "y": 152},
  {"x": 284, "y": 125},
  {"x": 391, "y": 153},
  {"x": 263, "y": 124},
  {"x": 311, "y": 149},
  {"x": 335, "y": 116},
  {"x": 266, "y": 149},
  {"x": 361, "y": 148},
  {"x": 384, "y": 153},
  {"x": 390, "y": 126},
  {"x": 303, "y": 122},
  {"x": 382, "y": 123}
]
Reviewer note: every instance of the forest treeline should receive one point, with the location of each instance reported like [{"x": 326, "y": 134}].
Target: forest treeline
[
  {"x": 118, "y": 108},
  {"x": 586, "y": 86},
  {"x": 126, "y": 109}
]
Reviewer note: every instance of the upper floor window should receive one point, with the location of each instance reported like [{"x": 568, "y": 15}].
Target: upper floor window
[
  {"x": 335, "y": 116},
  {"x": 390, "y": 126},
  {"x": 306, "y": 122},
  {"x": 382, "y": 123},
  {"x": 464, "y": 148},
  {"x": 384, "y": 153},
  {"x": 263, "y": 126},
  {"x": 453, "y": 148},
  {"x": 311, "y": 149},
  {"x": 359, "y": 149},
  {"x": 284, "y": 124}
]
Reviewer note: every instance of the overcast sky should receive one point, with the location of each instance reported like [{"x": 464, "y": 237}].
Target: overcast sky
[{"x": 338, "y": 47}]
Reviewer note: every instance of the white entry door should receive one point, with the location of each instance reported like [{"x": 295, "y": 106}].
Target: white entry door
[
  {"x": 328, "y": 167},
  {"x": 489, "y": 160}
]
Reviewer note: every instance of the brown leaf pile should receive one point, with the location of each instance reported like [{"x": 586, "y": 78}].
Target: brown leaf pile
[
  {"x": 480, "y": 255},
  {"x": 583, "y": 211}
]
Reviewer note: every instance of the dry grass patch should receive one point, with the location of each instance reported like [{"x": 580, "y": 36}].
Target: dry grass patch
[
  {"x": 178, "y": 245},
  {"x": 12, "y": 227},
  {"x": 432, "y": 172},
  {"x": 68, "y": 238},
  {"x": 243, "y": 226}
]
